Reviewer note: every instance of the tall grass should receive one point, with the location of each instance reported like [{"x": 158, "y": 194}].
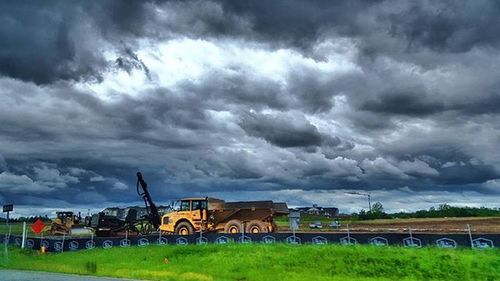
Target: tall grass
[{"x": 277, "y": 262}]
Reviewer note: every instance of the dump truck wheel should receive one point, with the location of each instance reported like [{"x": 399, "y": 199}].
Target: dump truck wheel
[
  {"x": 256, "y": 226},
  {"x": 233, "y": 227},
  {"x": 184, "y": 228}
]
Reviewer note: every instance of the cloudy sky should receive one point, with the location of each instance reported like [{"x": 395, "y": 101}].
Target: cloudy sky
[{"x": 291, "y": 100}]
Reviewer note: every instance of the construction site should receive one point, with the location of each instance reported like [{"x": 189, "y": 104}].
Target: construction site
[{"x": 199, "y": 220}]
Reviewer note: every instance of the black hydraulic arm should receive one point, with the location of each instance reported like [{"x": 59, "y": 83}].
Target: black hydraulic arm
[{"x": 153, "y": 214}]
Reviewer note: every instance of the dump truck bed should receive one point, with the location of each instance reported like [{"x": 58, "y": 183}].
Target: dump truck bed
[{"x": 248, "y": 210}]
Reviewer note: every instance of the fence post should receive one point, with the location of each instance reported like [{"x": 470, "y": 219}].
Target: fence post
[
  {"x": 62, "y": 245},
  {"x": 23, "y": 243},
  {"x": 242, "y": 232},
  {"x": 348, "y": 235},
  {"x": 470, "y": 236}
]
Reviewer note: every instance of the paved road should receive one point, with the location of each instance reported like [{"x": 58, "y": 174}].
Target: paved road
[{"x": 18, "y": 275}]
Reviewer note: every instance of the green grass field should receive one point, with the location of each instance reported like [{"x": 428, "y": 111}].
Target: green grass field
[{"x": 255, "y": 262}]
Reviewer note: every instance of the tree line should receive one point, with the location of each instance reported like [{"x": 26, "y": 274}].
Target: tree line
[
  {"x": 443, "y": 210},
  {"x": 27, "y": 219}
]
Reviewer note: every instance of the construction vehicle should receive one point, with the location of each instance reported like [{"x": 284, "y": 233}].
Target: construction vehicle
[
  {"x": 152, "y": 216},
  {"x": 216, "y": 215},
  {"x": 106, "y": 225},
  {"x": 67, "y": 223}
]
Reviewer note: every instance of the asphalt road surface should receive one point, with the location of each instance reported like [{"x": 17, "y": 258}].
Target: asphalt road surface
[{"x": 18, "y": 275}]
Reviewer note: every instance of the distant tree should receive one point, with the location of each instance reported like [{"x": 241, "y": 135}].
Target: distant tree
[
  {"x": 377, "y": 208},
  {"x": 444, "y": 207}
]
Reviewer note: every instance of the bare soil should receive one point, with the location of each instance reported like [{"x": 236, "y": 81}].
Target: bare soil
[{"x": 426, "y": 225}]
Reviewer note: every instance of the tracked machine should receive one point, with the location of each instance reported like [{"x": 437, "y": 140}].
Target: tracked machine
[
  {"x": 67, "y": 223},
  {"x": 107, "y": 225}
]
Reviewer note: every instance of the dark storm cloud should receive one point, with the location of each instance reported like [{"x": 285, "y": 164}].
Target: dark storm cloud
[
  {"x": 297, "y": 22},
  {"x": 45, "y": 41},
  {"x": 281, "y": 97},
  {"x": 449, "y": 26},
  {"x": 403, "y": 102},
  {"x": 40, "y": 42},
  {"x": 283, "y": 131},
  {"x": 286, "y": 130}
]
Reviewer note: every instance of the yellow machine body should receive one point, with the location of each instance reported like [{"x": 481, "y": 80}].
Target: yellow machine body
[{"x": 215, "y": 215}]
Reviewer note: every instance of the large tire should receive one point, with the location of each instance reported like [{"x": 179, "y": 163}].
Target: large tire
[
  {"x": 256, "y": 226},
  {"x": 184, "y": 228},
  {"x": 233, "y": 227}
]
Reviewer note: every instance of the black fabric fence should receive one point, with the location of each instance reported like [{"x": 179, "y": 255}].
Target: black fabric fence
[{"x": 59, "y": 244}]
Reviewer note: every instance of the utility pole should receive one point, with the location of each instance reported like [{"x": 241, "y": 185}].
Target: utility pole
[{"x": 368, "y": 195}]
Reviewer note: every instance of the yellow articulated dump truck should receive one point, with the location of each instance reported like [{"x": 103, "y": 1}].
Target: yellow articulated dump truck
[{"x": 215, "y": 215}]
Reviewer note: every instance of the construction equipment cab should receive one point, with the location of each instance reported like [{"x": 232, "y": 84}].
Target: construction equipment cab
[
  {"x": 64, "y": 222},
  {"x": 215, "y": 215}
]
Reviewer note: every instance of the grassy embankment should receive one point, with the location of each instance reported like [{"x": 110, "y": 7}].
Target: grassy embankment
[{"x": 269, "y": 262}]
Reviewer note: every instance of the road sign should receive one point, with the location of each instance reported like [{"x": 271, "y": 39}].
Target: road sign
[
  {"x": 38, "y": 226},
  {"x": 294, "y": 219},
  {"x": 8, "y": 208}
]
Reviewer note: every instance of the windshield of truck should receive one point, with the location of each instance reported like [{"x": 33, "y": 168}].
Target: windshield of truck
[
  {"x": 184, "y": 206},
  {"x": 176, "y": 205}
]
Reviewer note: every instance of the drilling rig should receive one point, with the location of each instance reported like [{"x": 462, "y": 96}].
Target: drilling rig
[{"x": 106, "y": 225}]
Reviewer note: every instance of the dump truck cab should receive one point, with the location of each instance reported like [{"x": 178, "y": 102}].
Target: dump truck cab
[
  {"x": 189, "y": 215},
  {"x": 215, "y": 215}
]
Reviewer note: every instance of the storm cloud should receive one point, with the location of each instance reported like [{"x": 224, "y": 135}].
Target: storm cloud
[{"x": 284, "y": 100}]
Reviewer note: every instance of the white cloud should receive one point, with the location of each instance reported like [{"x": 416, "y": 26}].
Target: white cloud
[
  {"x": 417, "y": 167},
  {"x": 448, "y": 164},
  {"x": 382, "y": 168},
  {"x": 120, "y": 186},
  {"x": 175, "y": 61},
  {"x": 97, "y": 178},
  {"x": 53, "y": 177},
  {"x": 493, "y": 185},
  {"x": 77, "y": 171},
  {"x": 21, "y": 184}
]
